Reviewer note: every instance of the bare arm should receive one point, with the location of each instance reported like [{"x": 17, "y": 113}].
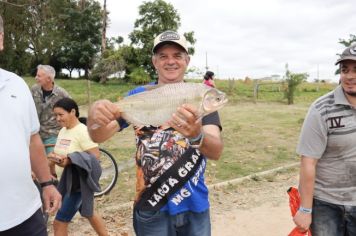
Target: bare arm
[
  {"x": 94, "y": 151},
  {"x": 102, "y": 122},
  {"x": 52, "y": 198},
  {"x": 65, "y": 160},
  {"x": 212, "y": 145},
  {"x": 306, "y": 189},
  {"x": 38, "y": 159}
]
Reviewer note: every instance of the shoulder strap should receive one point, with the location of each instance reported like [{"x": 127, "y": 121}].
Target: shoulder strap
[{"x": 157, "y": 195}]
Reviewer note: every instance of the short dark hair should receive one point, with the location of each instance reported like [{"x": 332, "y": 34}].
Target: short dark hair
[
  {"x": 208, "y": 75},
  {"x": 68, "y": 105},
  {"x": 1, "y": 25}
]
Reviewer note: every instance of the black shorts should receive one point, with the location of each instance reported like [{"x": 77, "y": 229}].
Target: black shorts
[{"x": 33, "y": 226}]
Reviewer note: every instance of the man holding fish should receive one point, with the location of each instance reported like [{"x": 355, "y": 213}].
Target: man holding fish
[{"x": 172, "y": 151}]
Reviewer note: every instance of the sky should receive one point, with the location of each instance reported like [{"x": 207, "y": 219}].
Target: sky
[{"x": 256, "y": 38}]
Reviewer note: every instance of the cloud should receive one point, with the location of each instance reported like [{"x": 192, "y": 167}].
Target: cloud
[{"x": 257, "y": 38}]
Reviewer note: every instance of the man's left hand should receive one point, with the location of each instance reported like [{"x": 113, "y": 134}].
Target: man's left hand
[{"x": 187, "y": 121}]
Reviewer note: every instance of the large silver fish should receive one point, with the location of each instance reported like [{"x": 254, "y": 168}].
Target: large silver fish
[{"x": 156, "y": 105}]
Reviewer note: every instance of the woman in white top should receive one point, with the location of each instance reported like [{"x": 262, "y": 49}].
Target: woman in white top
[{"x": 73, "y": 137}]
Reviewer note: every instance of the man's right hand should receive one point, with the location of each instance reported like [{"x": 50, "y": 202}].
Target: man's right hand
[
  {"x": 102, "y": 122},
  {"x": 101, "y": 113},
  {"x": 302, "y": 221}
]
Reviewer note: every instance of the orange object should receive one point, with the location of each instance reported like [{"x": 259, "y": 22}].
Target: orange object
[{"x": 294, "y": 203}]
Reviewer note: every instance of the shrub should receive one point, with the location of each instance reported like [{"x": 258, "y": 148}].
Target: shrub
[{"x": 139, "y": 76}]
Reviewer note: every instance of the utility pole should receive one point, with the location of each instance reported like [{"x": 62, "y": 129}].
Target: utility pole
[
  {"x": 206, "y": 61},
  {"x": 103, "y": 34},
  {"x": 103, "y": 78},
  {"x": 317, "y": 76}
]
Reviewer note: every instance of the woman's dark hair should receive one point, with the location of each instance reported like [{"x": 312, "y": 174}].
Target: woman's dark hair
[
  {"x": 67, "y": 104},
  {"x": 208, "y": 75}
]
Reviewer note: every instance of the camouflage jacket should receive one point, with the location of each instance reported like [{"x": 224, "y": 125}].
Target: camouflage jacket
[{"x": 49, "y": 125}]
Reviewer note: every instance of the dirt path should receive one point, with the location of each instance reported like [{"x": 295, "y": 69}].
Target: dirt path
[{"x": 254, "y": 208}]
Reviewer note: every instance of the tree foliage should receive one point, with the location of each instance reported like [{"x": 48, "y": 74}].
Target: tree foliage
[
  {"x": 82, "y": 26},
  {"x": 139, "y": 76},
  {"x": 63, "y": 33},
  {"x": 110, "y": 63},
  {"x": 15, "y": 57},
  {"x": 155, "y": 17},
  {"x": 348, "y": 42},
  {"x": 67, "y": 35},
  {"x": 293, "y": 80}
]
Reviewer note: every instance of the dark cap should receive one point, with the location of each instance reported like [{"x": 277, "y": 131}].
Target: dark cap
[
  {"x": 348, "y": 54},
  {"x": 169, "y": 37}
]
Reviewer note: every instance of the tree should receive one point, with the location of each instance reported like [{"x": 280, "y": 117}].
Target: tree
[
  {"x": 15, "y": 56},
  {"x": 293, "y": 80},
  {"x": 348, "y": 42},
  {"x": 111, "y": 62},
  {"x": 82, "y": 25},
  {"x": 155, "y": 17},
  {"x": 63, "y": 33},
  {"x": 139, "y": 76}
]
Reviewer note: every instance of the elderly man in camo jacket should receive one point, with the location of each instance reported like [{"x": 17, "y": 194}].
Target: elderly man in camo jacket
[{"x": 45, "y": 94}]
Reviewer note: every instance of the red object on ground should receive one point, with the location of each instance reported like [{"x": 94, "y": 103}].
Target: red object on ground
[{"x": 294, "y": 203}]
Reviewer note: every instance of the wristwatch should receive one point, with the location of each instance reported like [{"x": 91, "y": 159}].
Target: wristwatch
[
  {"x": 47, "y": 183},
  {"x": 197, "y": 141}
]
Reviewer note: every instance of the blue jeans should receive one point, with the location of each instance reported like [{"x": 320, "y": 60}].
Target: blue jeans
[
  {"x": 71, "y": 203},
  {"x": 154, "y": 223},
  {"x": 333, "y": 220}
]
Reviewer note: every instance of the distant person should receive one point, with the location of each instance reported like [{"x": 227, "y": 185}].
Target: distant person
[
  {"x": 327, "y": 146},
  {"x": 79, "y": 155},
  {"x": 161, "y": 151},
  {"x": 209, "y": 79},
  {"x": 21, "y": 151},
  {"x": 45, "y": 94}
]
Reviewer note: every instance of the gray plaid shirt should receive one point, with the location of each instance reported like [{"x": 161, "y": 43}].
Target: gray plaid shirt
[{"x": 49, "y": 125}]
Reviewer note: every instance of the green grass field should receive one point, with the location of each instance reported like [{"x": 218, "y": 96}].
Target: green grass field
[{"x": 257, "y": 135}]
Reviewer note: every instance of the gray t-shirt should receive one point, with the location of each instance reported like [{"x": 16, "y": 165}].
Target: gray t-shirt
[{"x": 329, "y": 135}]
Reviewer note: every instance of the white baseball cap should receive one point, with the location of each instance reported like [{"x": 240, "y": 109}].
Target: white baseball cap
[{"x": 170, "y": 37}]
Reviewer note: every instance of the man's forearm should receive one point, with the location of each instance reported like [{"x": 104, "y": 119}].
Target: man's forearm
[
  {"x": 39, "y": 163},
  {"x": 212, "y": 145},
  {"x": 306, "y": 181}
]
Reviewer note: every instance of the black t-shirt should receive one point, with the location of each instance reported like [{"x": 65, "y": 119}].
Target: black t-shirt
[
  {"x": 45, "y": 94},
  {"x": 158, "y": 149}
]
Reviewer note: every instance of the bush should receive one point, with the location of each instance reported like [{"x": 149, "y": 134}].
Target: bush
[
  {"x": 293, "y": 80},
  {"x": 139, "y": 76}
]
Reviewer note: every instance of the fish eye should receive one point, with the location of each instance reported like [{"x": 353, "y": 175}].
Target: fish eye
[{"x": 218, "y": 99}]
